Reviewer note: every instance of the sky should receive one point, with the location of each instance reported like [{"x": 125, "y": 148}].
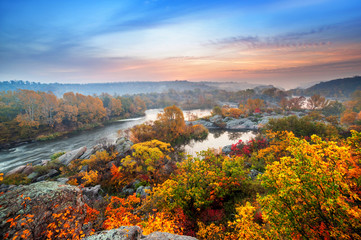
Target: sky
[{"x": 286, "y": 43}]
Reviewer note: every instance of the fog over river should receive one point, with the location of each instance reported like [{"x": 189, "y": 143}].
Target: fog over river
[{"x": 37, "y": 151}]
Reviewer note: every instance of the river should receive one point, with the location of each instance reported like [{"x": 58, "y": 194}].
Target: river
[{"x": 37, "y": 151}]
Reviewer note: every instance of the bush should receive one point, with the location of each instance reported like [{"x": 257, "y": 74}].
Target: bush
[
  {"x": 56, "y": 155},
  {"x": 301, "y": 127},
  {"x": 16, "y": 179}
]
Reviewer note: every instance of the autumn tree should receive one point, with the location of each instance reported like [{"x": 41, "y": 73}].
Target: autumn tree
[
  {"x": 311, "y": 191},
  {"x": 30, "y": 101},
  {"x": 170, "y": 124},
  {"x": 254, "y": 104},
  {"x": 201, "y": 182},
  {"x": 348, "y": 117},
  {"x": 295, "y": 103},
  {"x": 149, "y": 161},
  {"x": 115, "y": 107},
  {"x": 48, "y": 107}
]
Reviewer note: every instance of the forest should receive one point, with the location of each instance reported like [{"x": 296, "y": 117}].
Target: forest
[{"x": 299, "y": 178}]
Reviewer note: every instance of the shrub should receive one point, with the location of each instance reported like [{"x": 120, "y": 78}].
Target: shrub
[{"x": 56, "y": 155}]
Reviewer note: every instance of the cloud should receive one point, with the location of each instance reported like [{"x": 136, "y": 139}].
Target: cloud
[
  {"x": 302, "y": 39},
  {"x": 325, "y": 67},
  {"x": 346, "y": 31}
]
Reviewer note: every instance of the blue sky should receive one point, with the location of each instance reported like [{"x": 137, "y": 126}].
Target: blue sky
[{"x": 285, "y": 43}]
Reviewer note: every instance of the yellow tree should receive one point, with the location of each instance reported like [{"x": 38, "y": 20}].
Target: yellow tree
[
  {"x": 150, "y": 160},
  {"x": 313, "y": 191}
]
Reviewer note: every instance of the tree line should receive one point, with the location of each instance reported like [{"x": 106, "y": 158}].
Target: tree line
[{"x": 25, "y": 114}]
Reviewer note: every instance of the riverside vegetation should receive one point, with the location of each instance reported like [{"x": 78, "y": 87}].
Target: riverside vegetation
[{"x": 300, "y": 178}]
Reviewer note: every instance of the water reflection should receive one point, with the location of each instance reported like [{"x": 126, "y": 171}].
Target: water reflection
[{"x": 217, "y": 139}]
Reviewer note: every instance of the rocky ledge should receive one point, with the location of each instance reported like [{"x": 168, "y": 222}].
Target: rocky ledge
[
  {"x": 253, "y": 122},
  {"x": 135, "y": 233}
]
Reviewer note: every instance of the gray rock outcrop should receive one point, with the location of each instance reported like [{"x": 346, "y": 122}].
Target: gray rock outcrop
[
  {"x": 72, "y": 155},
  {"x": 166, "y": 236},
  {"x": 123, "y": 145},
  {"x": 135, "y": 233},
  {"x": 122, "y": 233}
]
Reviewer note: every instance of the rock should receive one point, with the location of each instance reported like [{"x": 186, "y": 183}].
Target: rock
[
  {"x": 227, "y": 149},
  {"x": 166, "y": 236},
  {"x": 128, "y": 191},
  {"x": 217, "y": 119},
  {"x": 135, "y": 183},
  {"x": 135, "y": 233},
  {"x": 28, "y": 169},
  {"x": 16, "y": 170},
  {"x": 72, "y": 155},
  {"x": 235, "y": 124},
  {"x": 33, "y": 175},
  {"x": 205, "y": 123},
  {"x": 50, "y": 174},
  {"x": 4, "y": 188},
  {"x": 122, "y": 233},
  {"x": 110, "y": 164},
  {"x": 227, "y": 119},
  {"x": 92, "y": 193},
  {"x": 123, "y": 145},
  {"x": 62, "y": 180},
  {"x": 42, "y": 196},
  {"x": 254, "y": 173},
  {"x": 141, "y": 191},
  {"x": 44, "y": 162},
  {"x": 53, "y": 173},
  {"x": 87, "y": 154}
]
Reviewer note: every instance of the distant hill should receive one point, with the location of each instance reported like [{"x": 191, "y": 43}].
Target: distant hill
[
  {"x": 338, "y": 88},
  {"x": 123, "y": 88}
]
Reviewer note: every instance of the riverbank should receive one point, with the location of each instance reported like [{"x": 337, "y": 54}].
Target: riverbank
[{"x": 64, "y": 133}]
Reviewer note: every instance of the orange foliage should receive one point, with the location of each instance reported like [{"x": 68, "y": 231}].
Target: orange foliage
[
  {"x": 162, "y": 222},
  {"x": 348, "y": 118},
  {"x": 121, "y": 212},
  {"x": 232, "y": 112},
  {"x": 254, "y": 104},
  {"x": 60, "y": 223}
]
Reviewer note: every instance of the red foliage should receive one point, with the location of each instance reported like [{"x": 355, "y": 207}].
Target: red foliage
[
  {"x": 212, "y": 215},
  {"x": 240, "y": 148}
]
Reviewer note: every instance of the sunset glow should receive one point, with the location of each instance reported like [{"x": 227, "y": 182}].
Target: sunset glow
[{"x": 285, "y": 43}]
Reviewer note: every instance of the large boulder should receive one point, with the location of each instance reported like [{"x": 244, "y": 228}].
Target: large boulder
[
  {"x": 166, "y": 236},
  {"x": 122, "y": 233},
  {"x": 72, "y": 155},
  {"x": 135, "y": 233},
  {"x": 41, "y": 199}
]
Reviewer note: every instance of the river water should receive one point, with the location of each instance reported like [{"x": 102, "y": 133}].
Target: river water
[{"x": 37, "y": 151}]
